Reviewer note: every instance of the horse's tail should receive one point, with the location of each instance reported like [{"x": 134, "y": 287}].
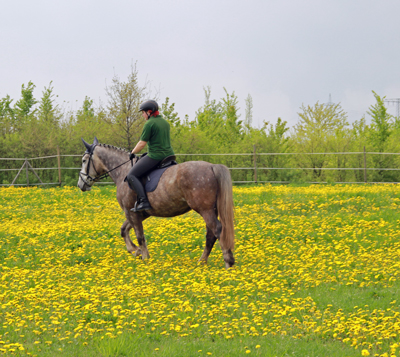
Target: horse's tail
[{"x": 225, "y": 206}]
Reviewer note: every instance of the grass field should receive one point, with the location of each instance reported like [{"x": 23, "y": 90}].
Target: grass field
[{"x": 317, "y": 274}]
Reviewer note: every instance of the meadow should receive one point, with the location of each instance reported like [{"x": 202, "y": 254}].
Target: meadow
[{"x": 317, "y": 274}]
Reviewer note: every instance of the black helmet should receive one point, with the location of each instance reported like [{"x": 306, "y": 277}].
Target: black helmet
[{"x": 149, "y": 105}]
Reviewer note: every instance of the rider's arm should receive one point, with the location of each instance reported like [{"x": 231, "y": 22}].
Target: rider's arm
[{"x": 139, "y": 147}]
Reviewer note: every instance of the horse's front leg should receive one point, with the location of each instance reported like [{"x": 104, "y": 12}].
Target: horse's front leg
[
  {"x": 142, "y": 241},
  {"x": 130, "y": 246},
  {"x": 135, "y": 221}
]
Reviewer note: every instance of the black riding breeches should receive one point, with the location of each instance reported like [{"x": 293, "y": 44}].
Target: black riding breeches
[{"x": 143, "y": 166}]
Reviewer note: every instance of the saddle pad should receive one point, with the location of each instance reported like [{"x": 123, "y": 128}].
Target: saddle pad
[{"x": 152, "y": 179}]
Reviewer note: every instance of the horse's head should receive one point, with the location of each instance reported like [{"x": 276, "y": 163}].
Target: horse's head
[{"x": 92, "y": 168}]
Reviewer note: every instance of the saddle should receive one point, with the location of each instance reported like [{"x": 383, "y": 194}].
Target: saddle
[
  {"x": 150, "y": 181},
  {"x": 168, "y": 161}
]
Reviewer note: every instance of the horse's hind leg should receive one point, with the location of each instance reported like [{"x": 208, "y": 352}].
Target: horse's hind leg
[
  {"x": 214, "y": 228},
  {"x": 210, "y": 241},
  {"x": 130, "y": 246}
]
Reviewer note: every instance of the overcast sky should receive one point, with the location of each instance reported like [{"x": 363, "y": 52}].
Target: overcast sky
[{"x": 282, "y": 53}]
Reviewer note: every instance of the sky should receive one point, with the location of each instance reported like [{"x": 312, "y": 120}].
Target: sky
[{"x": 285, "y": 54}]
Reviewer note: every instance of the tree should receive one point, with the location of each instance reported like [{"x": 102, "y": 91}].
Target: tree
[
  {"x": 209, "y": 117},
  {"x": 7, "y": 116},
  {"x": 7, "y": 129},
  {"x": 16, "y": 120},
  {"x": 41, "y": 134},
  {"x": 86, "y": 113},
  {"x": 380, "y": 130},
  {"x": 220, "y": 121},
  {"x": 168, "y": 112},
  {"x": 123, "y": 114},
  {"x": 248, "y": 114},
  {"x": 86, "y": 123},
  {"x": 317, "y": 131},
  {"x": 358, "y": 132},
  {"x": 24, "y": 107},
  {"x": 48, "y": 112},
  {"x": 230, "y": 112}
]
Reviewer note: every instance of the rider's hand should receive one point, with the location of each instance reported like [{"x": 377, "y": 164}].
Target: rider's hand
[{"x": 132, "y": 156}]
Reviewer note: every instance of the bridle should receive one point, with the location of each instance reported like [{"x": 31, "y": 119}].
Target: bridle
[{"x": 98, "y": 177}]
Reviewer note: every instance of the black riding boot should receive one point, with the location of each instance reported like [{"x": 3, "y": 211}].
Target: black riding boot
[{"x": 142, "y": 201}]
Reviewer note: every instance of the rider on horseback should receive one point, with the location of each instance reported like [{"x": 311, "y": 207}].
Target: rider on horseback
[{"x": 156, "y": 134}]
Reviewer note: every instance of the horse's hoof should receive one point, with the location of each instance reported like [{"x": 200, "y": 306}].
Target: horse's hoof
[
  {"x": 145, "y": 256},
  {"x": 227, "y": 266}
]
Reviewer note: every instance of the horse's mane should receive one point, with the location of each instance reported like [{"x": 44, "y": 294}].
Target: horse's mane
[{"x": 114, "y": 148}]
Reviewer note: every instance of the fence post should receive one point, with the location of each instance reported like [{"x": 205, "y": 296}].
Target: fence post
[
  {"x": 27, "y": 172},
  {"x": 255, "y": 163},
  {"x": 19, "y": 171},
  {"x": 365, "y": 166},
  {"x": 59, "y": 165}
]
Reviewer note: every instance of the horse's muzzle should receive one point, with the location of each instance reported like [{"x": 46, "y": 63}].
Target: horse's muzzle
[{"x": 83, "y": 185}]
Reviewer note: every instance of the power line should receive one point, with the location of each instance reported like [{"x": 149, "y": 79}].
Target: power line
[{"x": 395, "y": 101}]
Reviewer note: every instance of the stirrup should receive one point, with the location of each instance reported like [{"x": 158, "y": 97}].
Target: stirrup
[{"x": 141, "y": 205}]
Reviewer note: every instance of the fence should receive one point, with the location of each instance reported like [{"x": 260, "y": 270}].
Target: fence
[{"x": 245, "y": 168}]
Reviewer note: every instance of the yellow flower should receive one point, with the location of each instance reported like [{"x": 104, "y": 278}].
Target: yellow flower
[{"x": 364, "y": 353}]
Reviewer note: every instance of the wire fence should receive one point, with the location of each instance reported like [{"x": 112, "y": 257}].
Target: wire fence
[{"x": 282, "y": 168}]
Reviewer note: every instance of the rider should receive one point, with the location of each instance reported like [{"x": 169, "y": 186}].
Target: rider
[{"x": 156, "y": 134}]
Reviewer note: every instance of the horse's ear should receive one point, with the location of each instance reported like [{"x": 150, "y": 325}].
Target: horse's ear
[
  {"x": 95, "y": 141},
  {"x": 87, "y": 146}
]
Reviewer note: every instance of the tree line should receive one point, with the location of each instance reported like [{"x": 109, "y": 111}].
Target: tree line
[{"x": 34, "y": 127}]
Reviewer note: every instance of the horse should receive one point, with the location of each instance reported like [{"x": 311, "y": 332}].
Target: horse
[{"x": 194, "y": 185}]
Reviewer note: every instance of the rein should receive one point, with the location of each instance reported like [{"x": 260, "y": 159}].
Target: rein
[{"x": 98, "y": 177}]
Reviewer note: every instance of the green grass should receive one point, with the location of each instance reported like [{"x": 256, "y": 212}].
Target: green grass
[{"x": 127, "y": 345}]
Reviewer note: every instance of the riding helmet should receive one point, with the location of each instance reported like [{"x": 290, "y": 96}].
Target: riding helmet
[{"x": 149, "y": 105}]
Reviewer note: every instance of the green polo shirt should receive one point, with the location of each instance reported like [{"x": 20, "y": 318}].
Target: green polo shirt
[{"x": 156, "y": 134}]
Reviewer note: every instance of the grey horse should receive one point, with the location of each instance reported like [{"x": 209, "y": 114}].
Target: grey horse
[{"x": 206, "y": 188}]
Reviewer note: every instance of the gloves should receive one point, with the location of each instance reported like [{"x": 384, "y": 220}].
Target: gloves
[{"x": 132, "y": 156}]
